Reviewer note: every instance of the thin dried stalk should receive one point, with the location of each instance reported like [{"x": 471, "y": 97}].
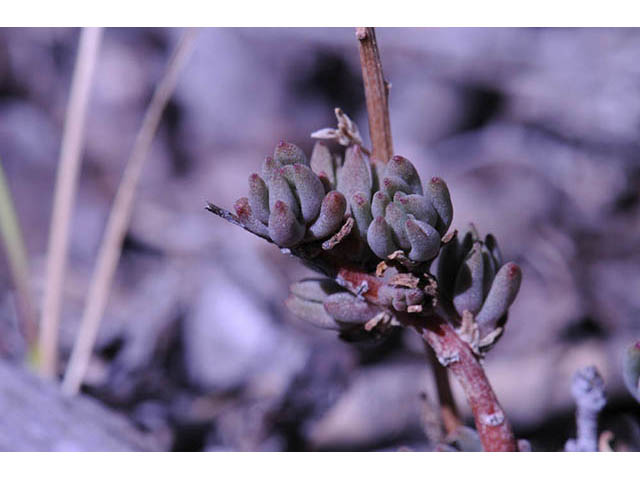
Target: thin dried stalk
[
  {"x": 376, "y": 90},
  {"x": 448, "y": 410},
  {"x": 119, "y": 217},
  {"x": 65, "y": 192},
  {"x": 18, "y": 260}
]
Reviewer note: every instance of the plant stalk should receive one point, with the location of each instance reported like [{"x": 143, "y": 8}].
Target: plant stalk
[
  {"x": 452, "y": 352},
  {"x": 376, "y": 90},
  {"x": 448, "y": 410},
  {"x": 455, "y": 355}
]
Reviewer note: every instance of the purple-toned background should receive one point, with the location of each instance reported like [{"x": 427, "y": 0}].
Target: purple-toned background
[{"x": 536, "y": 131}]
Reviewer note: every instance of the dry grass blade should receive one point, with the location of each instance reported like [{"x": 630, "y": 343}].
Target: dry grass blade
[
  {"x": 119, "y": 217},
  {"x": 65, "y": 190},
  {"x": 17, "y": 259}
]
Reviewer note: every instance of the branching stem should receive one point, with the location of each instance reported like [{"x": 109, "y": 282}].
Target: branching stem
[
  {"x": 452, "y": 352},
  {"x": 455, "y": 355}
]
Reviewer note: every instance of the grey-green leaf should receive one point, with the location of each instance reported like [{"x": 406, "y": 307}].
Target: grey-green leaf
[
  {"x": 380, "y": 238},
  {"x": 469, "y": 288},
  {"x": 332, "y": 211},
  {"x": 284, "y": 228},
  {"x": 441, "y": 201},
  {"x": 424, "y": 239},
  {"x": 503, "y": 292}
]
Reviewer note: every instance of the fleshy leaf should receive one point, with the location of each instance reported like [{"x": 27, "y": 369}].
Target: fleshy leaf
[
  {"x": 391, "y": 185},
  {"x": 424, "y": 239},
  {"x": 501, "y": 295},
  {"x": 308, "y": 188},
  {"x": 354, "y": 176},
  {"x": 348, "y": 308},
  {"x": 379, "y": 204},
  {"x": 312, "y": 312},
  {"x": 380, "y": 239},
  {"x": 280, "y": 191},
  {"x": 259, "y": 198},
  {"x": 396, "y": 218},
  {"x": 469, "y": 288},
  {"x": 315, "y": 289},
  {"x": 441, "y": 201},
  {"x": 400, "y": 167},
  {"x": 287, "y": 153},
  {"x": 284, "y": 228},
  {"x": 322, "y": 162},
  {"x": 361, "y": 211},
  {"x": 419, "y": 206},
  {"x": 243, "y": 210},
  {"x": 332, "y": 211},
  {"x": 270, "y": 167}
]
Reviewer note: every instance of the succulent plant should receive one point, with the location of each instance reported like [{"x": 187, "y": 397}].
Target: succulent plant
[
  {"x": 373, "y": 229},
  {"x": 472, "y": 277},
  {"x": 297, "y": 201},
  {"x": 362, "y": 213},
  {"x": 368, "y": 224}
]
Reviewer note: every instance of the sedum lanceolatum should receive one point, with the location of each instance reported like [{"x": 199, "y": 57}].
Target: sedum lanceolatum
[{"x": 374, "y": 230}]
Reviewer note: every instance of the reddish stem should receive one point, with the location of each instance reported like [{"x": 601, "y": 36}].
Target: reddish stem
[
  {"x": 492, "y": 424},
  {"x": 453, "y": 353}
]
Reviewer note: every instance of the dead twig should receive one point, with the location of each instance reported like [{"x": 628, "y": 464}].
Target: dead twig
[
  {"x": 376, "y": 90},
  {"x": 448, "y": 410}
]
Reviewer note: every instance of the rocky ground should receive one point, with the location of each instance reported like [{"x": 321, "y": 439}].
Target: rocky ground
[{"x": 536, "y": 131}]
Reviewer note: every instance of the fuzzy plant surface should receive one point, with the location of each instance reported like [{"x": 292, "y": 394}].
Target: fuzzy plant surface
[{"x": 345, "y": 216}]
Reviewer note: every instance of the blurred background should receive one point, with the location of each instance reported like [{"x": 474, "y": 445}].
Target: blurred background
[{"x": 536, "y": 131}]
